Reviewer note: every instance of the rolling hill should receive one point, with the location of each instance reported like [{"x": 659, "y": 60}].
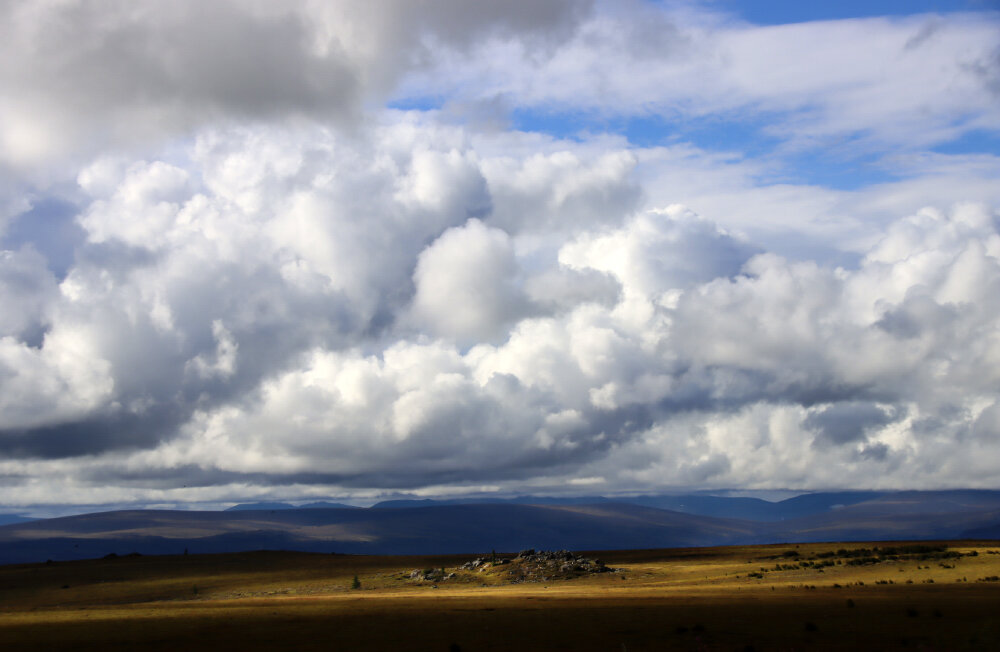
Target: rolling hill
[
  {"x": 436, "y": 528},
  {"x": 428, "y": 530}
]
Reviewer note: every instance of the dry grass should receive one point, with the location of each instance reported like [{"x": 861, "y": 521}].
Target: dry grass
[{"x": 668, "y": 599}]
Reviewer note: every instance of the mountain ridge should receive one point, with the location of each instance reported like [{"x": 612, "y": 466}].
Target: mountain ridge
[{"x": 507, "y": 526}]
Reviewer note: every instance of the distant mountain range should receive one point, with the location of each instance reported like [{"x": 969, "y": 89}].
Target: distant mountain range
[
  {"x": 257, "y": 507},
  {"x": 7, "y": 519},
  {"x": 446, "y": 527},
  {"x": 753, "y": 509}
]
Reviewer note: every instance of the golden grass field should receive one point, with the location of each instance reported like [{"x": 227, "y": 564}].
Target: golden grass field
[{"x": 685, "y": 599}]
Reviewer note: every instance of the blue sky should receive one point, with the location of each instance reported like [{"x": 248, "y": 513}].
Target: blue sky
[
  {"x": 847, "y": 168},
  {"x": 319, "y": 250},
  {"x": 845, "y": 161},
  {"x": 843, "y": 168},
  {"x": 780, "y": 12}
]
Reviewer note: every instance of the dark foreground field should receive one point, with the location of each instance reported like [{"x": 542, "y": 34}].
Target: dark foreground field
[{"x": 807, "y": 597}]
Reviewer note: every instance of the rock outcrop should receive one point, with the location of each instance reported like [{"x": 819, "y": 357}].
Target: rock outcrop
[
  {"x": 526, "y": 566},
  {"x": 537, "y": 566}
]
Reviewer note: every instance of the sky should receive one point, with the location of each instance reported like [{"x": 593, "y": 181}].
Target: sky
[{"x": 302, "y": 250}]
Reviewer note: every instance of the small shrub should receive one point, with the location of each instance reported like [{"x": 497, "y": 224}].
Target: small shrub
[{"x": 356, "y": 583}]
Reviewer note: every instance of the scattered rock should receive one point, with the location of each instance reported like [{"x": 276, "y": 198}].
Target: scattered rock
[
  {"x": 541, "y": 566},
  {"x": 431, "y": 575}
]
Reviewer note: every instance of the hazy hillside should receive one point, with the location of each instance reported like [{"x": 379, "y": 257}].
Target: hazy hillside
[
  {"x": 251, "y": 507},
  {"x": 426, "y": 530},
  {"x": 7, "y": 519},
  {"x": 900, "y": 515},
  {"x": 472, "y": 528},
  {"x": 753, "y": 509}
]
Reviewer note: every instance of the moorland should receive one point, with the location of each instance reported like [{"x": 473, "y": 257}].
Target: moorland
[{"x": 818, "y": 596}]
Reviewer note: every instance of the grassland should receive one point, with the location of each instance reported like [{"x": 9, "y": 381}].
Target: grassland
[{"x": 785, "y": 597}]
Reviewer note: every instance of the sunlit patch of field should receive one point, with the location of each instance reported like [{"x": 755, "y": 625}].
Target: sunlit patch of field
[{"x": 807, "y": 596}]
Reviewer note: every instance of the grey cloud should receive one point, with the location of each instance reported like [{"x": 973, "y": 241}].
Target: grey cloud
[
  {"x": 916, "y": 314},
  {"x": 122, "y": 72},
  {"x": 50, "y": 228},
  {"x": 926, "y": 31},
  {"x": 987, "y": 69},
  {"x": 563, "y": 289},
  {"x": 27, "y": 287},
  {"x": 95, "y": 434},
  {"x": 877, "y": 452},
  {"x": 702, "y": 471},
  {"x": 987, "y": 424},
  {"x": 727, "y": 389},
  {"x": 562, "y": 192},
  {"x": 847, "y": 423}
]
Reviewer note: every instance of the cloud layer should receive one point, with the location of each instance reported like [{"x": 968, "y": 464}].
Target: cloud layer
[{"x": 280, "y": 287}]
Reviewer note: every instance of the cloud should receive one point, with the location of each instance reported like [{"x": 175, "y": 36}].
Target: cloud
[
  {"x": 259, "y": 281},
  {"x": 63, "y": 381},
  {"x": 287, "y": 307},
  {"x": 827, "y": 81},
  {"x": 27, "y": 288},
  {"x": 466, "y": 285},
  {"x": 659, "y": 251},
  {"x": 846, "y": 423},
  {"x": 561, "y": 191},
  {"x": 89, "y": 76}
]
